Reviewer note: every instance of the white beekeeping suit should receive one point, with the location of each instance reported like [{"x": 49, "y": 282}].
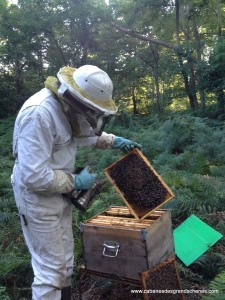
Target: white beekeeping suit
[{"x": 49, "y": 128}]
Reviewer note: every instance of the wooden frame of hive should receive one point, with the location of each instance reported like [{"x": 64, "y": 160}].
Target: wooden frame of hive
[
  {"x": 138, "y": 211},
  {"x": 146, "y": 277}
]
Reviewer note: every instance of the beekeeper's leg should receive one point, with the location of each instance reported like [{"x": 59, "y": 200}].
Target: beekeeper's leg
[
  {"x": 52, "y": 255},
  {"x": 45, "y": 242},
  {"x": 41, "y": 222},
  {"x": 66, "y": 221}
]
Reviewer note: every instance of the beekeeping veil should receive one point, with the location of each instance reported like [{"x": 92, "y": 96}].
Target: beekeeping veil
[{"x": 88, "y": 90}]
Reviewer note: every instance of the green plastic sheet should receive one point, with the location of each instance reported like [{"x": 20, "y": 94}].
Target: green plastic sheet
[{"x": 192, "y": 238}]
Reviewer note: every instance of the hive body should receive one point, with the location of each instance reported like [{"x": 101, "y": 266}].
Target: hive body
[{"x": 116, "y": 243}]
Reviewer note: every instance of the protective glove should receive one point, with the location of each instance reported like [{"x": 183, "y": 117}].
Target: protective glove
[
  {"x": 124, "y": 144},
  {"x": 84, "y": 180}
]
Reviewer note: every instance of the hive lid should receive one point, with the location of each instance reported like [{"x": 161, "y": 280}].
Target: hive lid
[
  {"x": 138, "y": 184},
  {"x": 192, "y": 238}
]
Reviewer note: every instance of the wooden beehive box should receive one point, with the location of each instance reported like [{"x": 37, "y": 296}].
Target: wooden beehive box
[
  {"x": 116, "y": 243},
  {"x": 138, "y": 184},
  {"x": 163, "y": 281}
]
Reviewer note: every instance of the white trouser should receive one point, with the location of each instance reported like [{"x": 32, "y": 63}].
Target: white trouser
[{"x": 47, "y": 228}]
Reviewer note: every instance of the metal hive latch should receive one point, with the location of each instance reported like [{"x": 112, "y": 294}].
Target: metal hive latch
[{"x": 110, "y": 248}]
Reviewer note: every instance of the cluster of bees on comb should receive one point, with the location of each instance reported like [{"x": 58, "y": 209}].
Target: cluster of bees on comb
[
  {"x": 138, "y": 182},
  {"x": 162, "y": 278}
]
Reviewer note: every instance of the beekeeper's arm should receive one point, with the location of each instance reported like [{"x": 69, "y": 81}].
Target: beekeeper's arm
[
  {"x": 35, "y": 145},
  {"x": 108, "y": 141}
]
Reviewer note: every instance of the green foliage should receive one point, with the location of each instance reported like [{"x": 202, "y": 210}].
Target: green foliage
[
  {"x": 216, "y": 73},
  {"x": 121, "y": 121},
  {"x": 218, "y": 284},
  {"x": 37, "y": 38},
  {"x": 6, "y": 159},
  {"x": 8, "y": 95},
  {"x": 15, "y": 267},
  {"x": 3, "y": 294}
]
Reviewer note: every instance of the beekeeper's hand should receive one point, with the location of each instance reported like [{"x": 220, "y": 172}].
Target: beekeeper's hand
[
  {"x": 84, "y": 180},
  {"x": 124, "y": 144}
]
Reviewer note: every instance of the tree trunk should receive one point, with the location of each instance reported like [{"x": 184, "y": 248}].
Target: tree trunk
[
  {"x": 188, "y": 89},
  {"x": 220, "y": 93},
  {"x": 134, "y": 100},
  {"x": 158, "y": 96},
  {"x": 84, "y": 41},
  {"x": 192, "y": 87},
  {"x": 221, "y": 100},
  {"x": 155, "y": 69},
  {"x": 19, "y": 77},
  {"x": 219, "y": 19},
  {"x": 199, "y": 61}
]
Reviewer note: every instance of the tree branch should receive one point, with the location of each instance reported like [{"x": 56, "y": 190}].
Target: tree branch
[
  {"x": 176, "y": 48},
  {"x": 144, "y": 37}
]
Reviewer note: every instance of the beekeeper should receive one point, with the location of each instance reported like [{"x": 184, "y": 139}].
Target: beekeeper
[{"x": 69, "y": 112}]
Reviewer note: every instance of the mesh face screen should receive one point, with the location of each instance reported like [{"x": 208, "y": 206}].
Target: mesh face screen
[{"x": 95, "y": 117}]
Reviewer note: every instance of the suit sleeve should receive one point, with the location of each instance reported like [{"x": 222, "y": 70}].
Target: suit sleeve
[{"x": 35, "y": 145}]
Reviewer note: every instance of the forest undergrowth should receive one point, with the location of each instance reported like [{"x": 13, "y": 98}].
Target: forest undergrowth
[{"x": 186, "y": 150}]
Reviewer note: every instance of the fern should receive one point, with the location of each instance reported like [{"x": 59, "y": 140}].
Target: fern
[
  {"x": 3, "y": 294},
  {"x": 9, "y": 264},
  {"x": 218, "y": 284}
]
